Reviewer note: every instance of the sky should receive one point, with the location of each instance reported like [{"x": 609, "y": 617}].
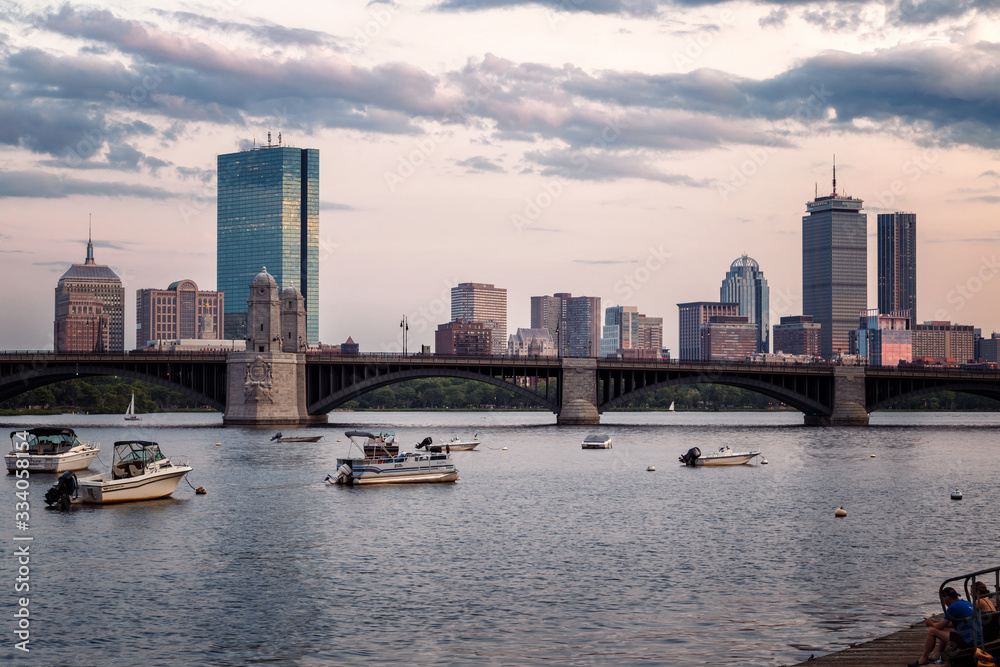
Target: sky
[{"x": 626, "y": 149}]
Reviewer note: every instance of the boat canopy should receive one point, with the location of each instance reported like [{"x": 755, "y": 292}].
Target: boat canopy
[
  {"x": 136, "y": 451},
  {"x": 597, "y": 437},
  {"x": 45, "y": 431},
  {"x": 360, "y": 434}
]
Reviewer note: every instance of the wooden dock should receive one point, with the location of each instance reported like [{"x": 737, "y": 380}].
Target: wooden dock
[{"x": 898, "y": 649}]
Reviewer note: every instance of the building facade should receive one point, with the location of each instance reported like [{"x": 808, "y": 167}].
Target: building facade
[
  {"x": 549, "y": 312},
  {"x": 180, "y": 312},
  {"x": 897, "y": 263},
  {"x": 464, "y": 339},
  {"x": 690, "y": 318},
  {"x": 746, "y": 285},
  {"x": 268, "y": 215},
  {"x": 480, "y": 302},
  {"x": 797, "y": 335},
  {"x": 728, "y": 338},
  {"x": 582, "y": 331},
  {"x": 531, "y": 343},
  {"x": 988, "y": 349},
  {"x": 89, "y": 308},
  {"x": 835, "y": 267},
  {"x": 884, "y": 340},
  {"x": 941, "y": 341}
]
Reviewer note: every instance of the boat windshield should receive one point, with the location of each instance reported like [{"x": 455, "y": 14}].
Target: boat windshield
[
  {"x": 137, "y": 451},
  {"x": 46, "y": 440}
]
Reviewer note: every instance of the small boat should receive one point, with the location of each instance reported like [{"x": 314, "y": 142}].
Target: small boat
[
  {"x": 724, "y": 457},
  {"x": 50, "y": 450},
  {"x": 307, "y": 438},
  {"x": 130, "y": 412},
  {"x": 139, "y": 471},
  {"x": 385, "y": 468},
  {"x": 597, "y": 441},
  {"x": 671, "y": 408},
  {"x": 456, "y": 444}
]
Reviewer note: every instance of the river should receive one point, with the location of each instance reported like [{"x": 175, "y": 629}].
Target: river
[{"x": 542, "y": 554}]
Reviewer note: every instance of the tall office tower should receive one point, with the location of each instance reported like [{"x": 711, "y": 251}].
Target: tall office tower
[
  {"x": 268, "y": 215},
  {"x": 943, "y": 341},
  {"x": 180, "y": 312},
  {"x": 835, "y": 267},
  {"x": 897, "y": 263},
  {"x": 884, "y": 339},
  {"x": 582, "y": 331},
  {"x": 84, "y": 294},
  {"x": 690, "y": 318},
  {"x": 479, "y": 302},
  {"x": 746, "y": 285},
  {"x": 626, "y": 319},
  {"x": 547, "y": 312},
  {"x": 797, "y": 334}
]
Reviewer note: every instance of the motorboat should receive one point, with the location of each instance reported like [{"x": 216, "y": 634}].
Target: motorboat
[
  {"x": 130, "y": 411},
  {"x": 307, "y": 438},
  {"x": 597, "y": 441},
  {"x": 456, "y": 444},
  {"x": 394, "y": 468},
  {"x": 725, "y": 456},
  {"x": 50, "y": 450},
  {"x": 139, "y": 471}
]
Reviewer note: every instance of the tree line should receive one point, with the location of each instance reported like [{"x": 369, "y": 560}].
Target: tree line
[{"x": 111, "y": 395}]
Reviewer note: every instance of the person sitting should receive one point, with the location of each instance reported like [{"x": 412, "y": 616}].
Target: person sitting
[
  {"x": 958, "y": 627},
  {"x": 981, "y": 596}
]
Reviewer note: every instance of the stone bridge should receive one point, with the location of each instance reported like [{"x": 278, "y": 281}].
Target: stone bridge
[{"x": 576, "y": 390}]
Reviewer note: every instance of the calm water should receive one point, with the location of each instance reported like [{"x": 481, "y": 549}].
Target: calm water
[{"x": 541, "y": 554}]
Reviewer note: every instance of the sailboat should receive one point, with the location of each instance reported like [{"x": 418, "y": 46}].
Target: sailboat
[
  {"x": 671, "y": 408},
  {"x": 130, "y": 413}
]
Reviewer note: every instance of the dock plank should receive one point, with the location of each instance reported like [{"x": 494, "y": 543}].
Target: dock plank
[{"x": 900, "y": 648}]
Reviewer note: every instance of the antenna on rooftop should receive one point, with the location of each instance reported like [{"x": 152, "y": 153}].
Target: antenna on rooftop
[
  {"x": 834, "y": 173},
  {"x": 269, "y": 144},
  {"x": 279, "y": 138}
]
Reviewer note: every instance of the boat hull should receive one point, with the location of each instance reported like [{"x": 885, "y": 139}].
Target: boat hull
[
  {"x": 461, "y": 446},
  {"x": 731, "y": 460},
  {"x": 56, "y": 463},
  {"x": 315, "y": 438},
  {"x": 101, "y": 490},
  {"x": 420, "y": 470},
  {"x": 600, "y": 445}
]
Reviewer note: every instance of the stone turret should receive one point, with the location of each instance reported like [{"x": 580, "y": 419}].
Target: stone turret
[
  {"x": 293, "y": 320},
  {"x": 263, "y": 314}
]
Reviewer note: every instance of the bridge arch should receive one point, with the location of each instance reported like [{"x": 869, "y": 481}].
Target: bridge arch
[
  {"x": 880, "y": 395},
  {"x": 366, "y": 385},
  {"x": 799, "y": 401}
]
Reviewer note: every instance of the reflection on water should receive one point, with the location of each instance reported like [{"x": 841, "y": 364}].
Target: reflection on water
[{"x": 542, "y": 554}]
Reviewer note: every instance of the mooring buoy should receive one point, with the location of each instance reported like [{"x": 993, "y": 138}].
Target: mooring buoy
[{"x": 840, "y": 512}]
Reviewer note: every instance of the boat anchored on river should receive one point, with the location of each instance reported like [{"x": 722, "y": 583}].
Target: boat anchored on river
[
  {"x": 724, "y": 457},
  {"x": 385, "y": 466}
]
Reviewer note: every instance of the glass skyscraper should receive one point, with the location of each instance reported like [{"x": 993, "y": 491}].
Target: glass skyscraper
[
  {"x": 745, "y": 284},
  {"x": 897, "y": 263},
  {"x": 268, "y": 216},
  {"x": 835, "y": 268}
]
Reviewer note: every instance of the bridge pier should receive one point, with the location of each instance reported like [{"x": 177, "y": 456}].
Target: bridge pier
[
  {"x": 848, "y": 399},
  {"x": 578, "y": 392},
  {"x": 267, "y": 388}
]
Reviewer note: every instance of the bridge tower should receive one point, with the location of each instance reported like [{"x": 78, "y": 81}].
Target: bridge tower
[{"x": 267, "y": 382}]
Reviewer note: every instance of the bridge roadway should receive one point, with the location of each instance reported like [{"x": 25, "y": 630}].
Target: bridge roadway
[{"x": 577, "y": 390}]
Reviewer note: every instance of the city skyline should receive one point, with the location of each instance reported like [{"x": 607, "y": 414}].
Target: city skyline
[{"x": 627, "y": 154}]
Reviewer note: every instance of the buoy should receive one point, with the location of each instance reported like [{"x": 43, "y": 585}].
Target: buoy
[
  {"x": 505, "y": 449},
  {"x": 200, "y": 491},
  {"x": 873, "y": 456},
  {"x": 651, "y": 469},
  {"x": 840, "y": 512},
  {"x": 763, "y": 461},
  {"x": 956, "y": 495},
  {"x": 218, "y": 444},
  {"x": 338, "y": 439}
]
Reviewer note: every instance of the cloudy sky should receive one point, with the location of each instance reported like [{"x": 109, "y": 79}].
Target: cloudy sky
[{"x": 627, "y": 149}]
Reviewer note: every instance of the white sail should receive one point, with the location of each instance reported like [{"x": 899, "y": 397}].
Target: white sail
[
  {"x": 671, "y": 408},
  {"x": 130, "y": 412}
]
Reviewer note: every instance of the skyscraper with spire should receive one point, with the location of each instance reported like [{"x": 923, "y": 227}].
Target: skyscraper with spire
[
  {"x": 90, "y": 308},
  {"x": 835, "y": 267}
]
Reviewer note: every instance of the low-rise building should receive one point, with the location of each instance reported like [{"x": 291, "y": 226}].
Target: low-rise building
[{"x": 463, "y": 338}]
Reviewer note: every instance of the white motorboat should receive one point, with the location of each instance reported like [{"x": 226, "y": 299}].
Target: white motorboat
[
  {"x": 725, "y": 456},
  {"x": 597, "y": 441},
  {"x": 130, "y": 411},
  {"x": 50, "y": 450},
  {"x": 302, "y": 438},
  {"x": 392, "y": 468},
  {"x": 456, "y": 444},
  {"x": 139, "y": 471}
]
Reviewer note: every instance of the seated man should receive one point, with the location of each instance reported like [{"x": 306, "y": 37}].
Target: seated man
[{"x": 958, "y": 626}]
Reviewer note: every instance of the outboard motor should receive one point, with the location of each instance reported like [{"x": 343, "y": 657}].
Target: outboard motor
[
  {"x": 690, "y": 457},
  {"x": 62, "y": 491},
  {"x": 425, "y": 443}
]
